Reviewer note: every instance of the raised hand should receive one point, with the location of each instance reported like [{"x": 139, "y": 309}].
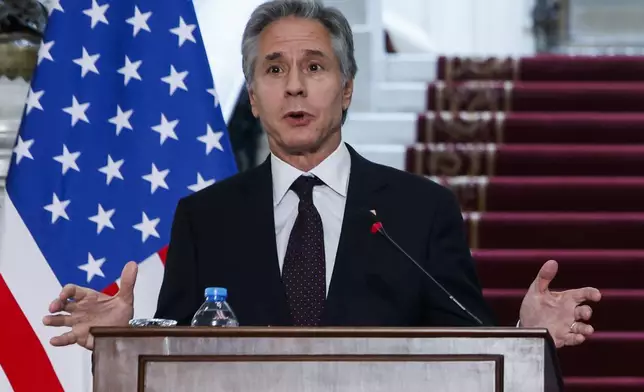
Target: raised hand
[
  {"x": 562, "y": 313},
  {"x": 82, "y": 308}
]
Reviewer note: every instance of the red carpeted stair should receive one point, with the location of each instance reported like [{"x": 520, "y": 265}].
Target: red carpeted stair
[
  {"x": 546, "y": 68},
  {"x": 548, "y": 194},
  {"x": 528, "y": 159},
  {"x": 546, "y": 155},
  {"x": 538, "y": 96},
  {"x": 532, "y": 128}
]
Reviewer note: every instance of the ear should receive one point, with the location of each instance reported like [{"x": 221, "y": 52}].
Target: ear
[
  {"x": 347, "y": 93},
  {"x": 253, "y": 100}
]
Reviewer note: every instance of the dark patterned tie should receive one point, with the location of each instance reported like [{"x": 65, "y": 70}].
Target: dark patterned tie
[{"x": 304, "y": 271}]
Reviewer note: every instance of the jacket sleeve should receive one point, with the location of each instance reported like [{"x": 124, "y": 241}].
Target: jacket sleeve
[
  {"x": 178, "y": 297},
  {"x": 452, "y": 265}
]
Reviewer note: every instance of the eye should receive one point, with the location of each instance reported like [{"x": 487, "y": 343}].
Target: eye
[
  {"x": 315, "y": 67},
  {"x": 273, "y": 69}
]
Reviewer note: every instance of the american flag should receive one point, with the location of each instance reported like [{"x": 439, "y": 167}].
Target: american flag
[{"x": 122, "y": 120}]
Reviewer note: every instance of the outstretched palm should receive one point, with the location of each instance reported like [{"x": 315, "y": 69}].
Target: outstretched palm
[
  {"x": 90, "y": 308},
  {"x": 562, "y": 313}
]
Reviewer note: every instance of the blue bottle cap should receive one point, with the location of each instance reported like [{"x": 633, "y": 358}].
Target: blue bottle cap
[{"x": 217, "y": 292}]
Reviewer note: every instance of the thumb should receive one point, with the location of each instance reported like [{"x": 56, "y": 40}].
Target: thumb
[
  {"x": 128, "y": 280},
  {"x": 546, "y": 274}
]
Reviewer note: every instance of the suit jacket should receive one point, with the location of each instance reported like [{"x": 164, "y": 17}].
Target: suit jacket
[{"x": 224, "y": 236}]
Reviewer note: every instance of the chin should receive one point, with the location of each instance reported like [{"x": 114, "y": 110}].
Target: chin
[
  {"x": 301, "y": 139},
  {"x": 301, "y": 145}
]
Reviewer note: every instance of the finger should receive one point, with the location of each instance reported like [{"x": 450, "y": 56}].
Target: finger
[
  {"x": 72, "y": 291},
  {"x": 70, "y": 307},
  {"x": 583, "y": 312},
  {"x": 56, "y": 306},
  {"x": 574, "y": 339},
  {"x": 63, "y": 340},
  {"x": 66, "y": 293},
  {"x": 581, "y": 328},
  {"x": 60, "y": 320},
  {"x": 62, "y": 306},
  {"x": 586, "y": 294},
  {"x": 128, "y": 280},
  {"x": 546, "y": 274}
]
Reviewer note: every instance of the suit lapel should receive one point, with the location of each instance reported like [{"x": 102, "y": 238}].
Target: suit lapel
[
  {"x": 353, "y": 248},
  {"x": 269, "y": 292}
]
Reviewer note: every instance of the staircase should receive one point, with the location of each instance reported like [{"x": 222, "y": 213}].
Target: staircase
[{"x": 546, "y": 156}]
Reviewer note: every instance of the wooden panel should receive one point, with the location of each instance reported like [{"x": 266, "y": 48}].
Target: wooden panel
[
  {"x": 118, "y": 350},
  {"x": 313, "y": 373}
]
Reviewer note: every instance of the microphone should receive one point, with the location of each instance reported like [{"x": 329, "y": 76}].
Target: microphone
[{"x": 377, "y": 227}]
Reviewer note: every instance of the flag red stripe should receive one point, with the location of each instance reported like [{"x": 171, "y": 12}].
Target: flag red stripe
[
  {"x": 22, "y": 357},
  {"x": 163, "y": 254},
  {"x": 112, "y": 289}
]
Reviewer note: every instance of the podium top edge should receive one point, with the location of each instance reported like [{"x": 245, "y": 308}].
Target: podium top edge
[{"x": 321, "y": 332}]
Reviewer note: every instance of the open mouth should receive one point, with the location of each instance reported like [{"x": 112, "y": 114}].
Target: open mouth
[
  {"x": 298, "y": 118},
  {"x": 297, "y": 115}
]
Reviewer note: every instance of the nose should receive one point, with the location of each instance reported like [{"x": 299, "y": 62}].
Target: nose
[{"x": 295, "y": 84}]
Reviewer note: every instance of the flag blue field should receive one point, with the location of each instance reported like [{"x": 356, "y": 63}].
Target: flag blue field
[{"x": 121, "y": 121}]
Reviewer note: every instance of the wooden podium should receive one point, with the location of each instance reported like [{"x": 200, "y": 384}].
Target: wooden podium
[{"x": 324, "y": 359}]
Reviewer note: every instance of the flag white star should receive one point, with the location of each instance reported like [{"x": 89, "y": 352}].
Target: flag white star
[
  {"x": 213, "y": 92},
  {"x": 97, "y": 13},
  {"x": 147, "y": 227},
  {"x": 103, "y": 219},
  {"x": 77, "y": 111},
  {"x": 54, "y": 5},
  {"x": 22, "y": 149},
  {"x": 57, "y": 209},
  {"x": 157, "y": 179},
  {"x": 122, "y": 119},
  {"x": 175, "y": 80},
  {"x": 184, "y": 32},
  {"x": 112, "y": 170},
  {"x": 201, "y": 183},
  {"x": 87, "y": 63},
  {"x": 130, "y": 70},
  {"x": 166, "y": 129},
  {"x": 93, "y": 267},
  {"x": 68, "y": 160},
  {"x": 33, "y": 100},
  {"x": 44, "y": 51},
  {"x": 139, "y": 21},
  {"x": 211, "y": 140}
]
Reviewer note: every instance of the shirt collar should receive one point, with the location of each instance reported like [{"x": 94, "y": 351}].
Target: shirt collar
[{"x": 333, "y": 171}]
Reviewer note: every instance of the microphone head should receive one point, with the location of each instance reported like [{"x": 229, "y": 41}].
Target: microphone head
[
  {"x": 368, "y": 216},
  {"x": 376, "y": 225}
]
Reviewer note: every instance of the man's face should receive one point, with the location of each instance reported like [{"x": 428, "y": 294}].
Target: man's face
[{"x": 297, "y": 90}]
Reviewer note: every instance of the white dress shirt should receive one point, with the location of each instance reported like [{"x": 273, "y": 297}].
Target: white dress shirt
[{"x": 329, "y": 200}]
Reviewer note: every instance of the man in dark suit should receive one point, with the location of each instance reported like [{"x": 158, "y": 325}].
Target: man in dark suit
[
  {"x": 369, "y": 281},
  {"x": 291, "y": 239}
]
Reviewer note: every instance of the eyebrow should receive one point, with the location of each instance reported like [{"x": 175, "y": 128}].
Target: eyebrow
[{"x": 308, "y": 52}]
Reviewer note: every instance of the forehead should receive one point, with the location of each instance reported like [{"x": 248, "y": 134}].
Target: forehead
[{"x": 293, "y": 34}]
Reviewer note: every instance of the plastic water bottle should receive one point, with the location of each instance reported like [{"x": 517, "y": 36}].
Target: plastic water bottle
[{"x": 215, "y": 311}]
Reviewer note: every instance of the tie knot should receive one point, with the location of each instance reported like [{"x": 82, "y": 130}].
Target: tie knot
[{"x": 303, "y": 187}]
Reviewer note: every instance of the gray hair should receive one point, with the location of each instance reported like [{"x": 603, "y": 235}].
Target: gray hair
[{"x": 332, "y": 19}]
